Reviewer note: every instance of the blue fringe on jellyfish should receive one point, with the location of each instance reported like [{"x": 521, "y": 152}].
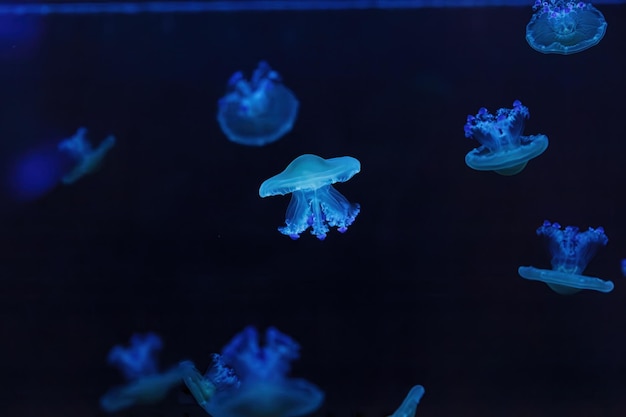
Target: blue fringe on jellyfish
[
  {"x": 314, "y": 202},
  {"x": 564, "y": 27},
  {"x": 503, "y": 149},
  {"x": 250, "y": 379},
  {"x": 571, "y": 252}
]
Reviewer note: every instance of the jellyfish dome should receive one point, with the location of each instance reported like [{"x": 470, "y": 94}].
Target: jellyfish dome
[
  {"x": 249, "y": 379},
  {"x": 259, "y": 111},
  {"x": 571, "y": 252},
  {"x": 503, "y": 148},
  {"x": 564, "y": 27},
  {"x": 314, "y": 202},
  {"x": 138, "y": 363}
]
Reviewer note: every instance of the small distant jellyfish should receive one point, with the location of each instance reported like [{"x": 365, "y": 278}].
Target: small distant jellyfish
[
  {"x": 139, "y": 365},
  {"x": 571, "y": 252},
  {"x": 503, "y": 148},
  {"x": 250, "y": 380},
  {"x": 410, "y": 403},
  {"x": 87, "y": 158},
  {"x": 564, "y": 27},
  {"x": 259, "y": 111},
  {"x": 314, "y": 202}
]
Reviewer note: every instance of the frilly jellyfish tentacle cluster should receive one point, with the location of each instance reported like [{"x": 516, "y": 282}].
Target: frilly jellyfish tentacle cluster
[
  {"x": 503, "y": 147},
  {"x": 250, "y": 380},
  {"x": 571, "y": 252},
  {"x": 138, "y": 363},
  {"x": 564, "y": 27},
  {"x": 314, "y": 202}
]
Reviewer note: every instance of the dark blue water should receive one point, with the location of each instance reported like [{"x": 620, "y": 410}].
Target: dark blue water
[{"x": 170, "y": 235}]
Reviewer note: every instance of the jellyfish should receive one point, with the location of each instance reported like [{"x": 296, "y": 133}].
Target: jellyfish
[
  {"x": 503, "y": 148},
  {"x": 571, "y": 252},
  {"x": 138, "y": 364},
  {"x": 564, "y": 27},
  {"x": 87, "y": 158},
  {"x": 259, "y": 111},
  {"x": 623, "y": 267},
  {"x": 410, "y": 403},
  {"x": 314, "y": 202},
  {"x": 250, "y": 380}
]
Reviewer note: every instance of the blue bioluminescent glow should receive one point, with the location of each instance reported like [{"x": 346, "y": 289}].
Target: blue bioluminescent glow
[
  {"x": 571, "y": 251},
  {"x": 314, "y": 202},
  {"x": 564, "y": 26},
  {"x": 138, "y": 363},
  {"x": 259, "y": 111},
  {"x": 250, "y": 379},
  {"x": 250, "y": 5},
  {"x": 503, "y": 147}
]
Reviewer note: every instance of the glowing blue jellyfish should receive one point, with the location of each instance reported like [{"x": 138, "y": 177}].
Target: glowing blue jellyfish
[
  {"x": 624, "y": 267},
  {"x": 257, "y": 112},
  {"x": 503, "y": 148},
  {"x": 249, "y": 380},
  {"x": 138, "y": 364},
  {"x": 410, "y": 403},
  {"x": 564, "y": 27},
  {"x": 571, "y": 252},
  {"x": 314, "y": 202},
  {"x": 87, "y": 158}
]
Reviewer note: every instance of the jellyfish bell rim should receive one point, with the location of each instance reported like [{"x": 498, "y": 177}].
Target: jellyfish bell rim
[
  {"x": 557, "y": 46},
  {"x": 326, "y": 171},
  {"x": 296, "y": 396},
  {"x": 482, "y": 159},
  {"x": 564, "y": 279},
  {"x": 143, "y": 390}
]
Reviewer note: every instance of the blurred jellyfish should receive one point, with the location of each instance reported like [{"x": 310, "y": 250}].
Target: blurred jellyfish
[
  {"x": 250, "y": 380},
  {"x": 139, "y": 365},
  {"x": 624, "y": 267},
  {"x": 35, "y": 171},
  {"x": 87, "y": 159},
  {"x": 571, "y": 252},
  {"x": 564, "y": 27},
  {"x": 314, "y": 202},
  {"x": 259, "y": 111},
  {"x": 503, "y": 148},
  {"x": 410, "y": 403}
]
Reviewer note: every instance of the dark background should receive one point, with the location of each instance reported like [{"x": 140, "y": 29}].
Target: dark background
[{"x": 171, "y": 236}]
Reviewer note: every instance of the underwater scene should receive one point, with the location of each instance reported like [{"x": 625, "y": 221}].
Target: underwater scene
[{"x": 292, "y": 208}]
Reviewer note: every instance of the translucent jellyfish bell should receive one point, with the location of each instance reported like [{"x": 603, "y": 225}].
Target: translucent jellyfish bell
[
  {"x": 571, "y": 252},
  {"x": 314, "y": 202},
  {"x": 503, "y": 148},
  {"x": 250, "y": 380},
  {"x": 259, "y": 111},
  {"x": 564, "y": 27},
  {"x": 145, "y": 384}
]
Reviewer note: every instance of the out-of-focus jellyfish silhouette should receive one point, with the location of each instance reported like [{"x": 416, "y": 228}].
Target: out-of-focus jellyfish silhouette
[
  {"x": 571, "y": 252},
  {"x": 249, "y": 380},
  {"x": 87, "y": 158},
  {"x": 259, "y": 111},
  {"x": 409, "y": 405},
  {"x": 564, "y": 27},
  {"x": 503, "y": 148},
  {"x": 624, "y": 267},
  {"x": 314, "y": 202},
  {"x": 139, "y": 365},
  {"x": 35, "y": 172}
]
